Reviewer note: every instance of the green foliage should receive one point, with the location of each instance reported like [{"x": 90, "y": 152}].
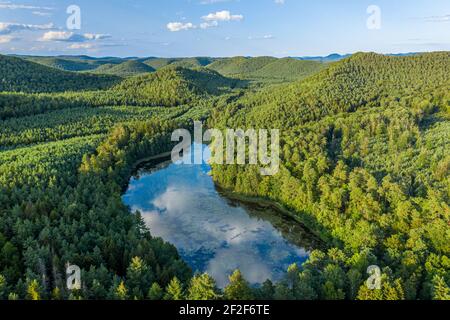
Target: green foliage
[
  {"x": 158, "y": 63},
  {"x": 65, "y": 64},
  {"x": 125, "y": 69},
  {"x": 3, "y": 288},
  {"x": 174, "y": 290},
  {"x": 121, "y": 291},
  {"x": 364, "y": 163},
  {"x": 441, "y": 290},
  {"x": 33, "y": 290},
  {"x": 18, "y": 75},
  {"x": 238, "y": 288},
  {"x": 202, "y": 287},
  {"x": 139, "y": 277},
  {"x": 266, "y": 69},
  {"x": 155, "y": 292}
]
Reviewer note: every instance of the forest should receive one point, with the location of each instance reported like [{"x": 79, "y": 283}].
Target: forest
[{"x": 364, "y": 165}]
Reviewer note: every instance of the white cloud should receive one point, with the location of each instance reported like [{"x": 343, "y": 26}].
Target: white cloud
[
  {"x": 7, "y": 27},
  {"x": 444, "y": 18},
  {"x": 93, "y": 36},
  {"x": 224, "y": 15},
  {"x": 68, "y": 36},
  {"x": 279, "y": 1},
  {"x": 81, "y": 46},
  {"x": 209, "y": 24},
  {"x": 209, "y": 21},
  {"x": 265, "y": 37},
  {"x": 6, "y": 39},
  {"x": 41, "y": 13},
  {"x": 179, "y": 26},
  {"x": 13, "y": 6},
  {"x": 213, "y": 1}
]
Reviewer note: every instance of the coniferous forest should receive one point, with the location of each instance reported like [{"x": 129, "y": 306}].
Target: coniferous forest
[{"x": 365, "y": 166}]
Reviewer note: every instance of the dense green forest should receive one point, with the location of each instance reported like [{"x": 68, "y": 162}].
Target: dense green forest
[
  {"x": 365, "y": 162},
  {"x": 124, "y": 69},
  {"x": 266, "y": 69},
  {"x": 365, "y": 165},
  {"x": 18, "y": 75}
]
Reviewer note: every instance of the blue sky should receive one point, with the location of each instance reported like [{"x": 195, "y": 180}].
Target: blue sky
[{"x": 176, "y": 28}]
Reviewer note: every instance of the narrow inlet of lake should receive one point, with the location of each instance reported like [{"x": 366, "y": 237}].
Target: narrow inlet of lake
[{"x": 213, "y": 234}]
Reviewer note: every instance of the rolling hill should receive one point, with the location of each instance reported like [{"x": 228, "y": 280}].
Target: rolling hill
[
  {"x": 361, "y": 80},
  {"x": 125, "y": 69},
  {"x": 158, "y": 63},
  {"x": 169, "y": 86},
  {"x": 287, "y": 69},
  {"x": 266, "y": 68},
  {"x": 240, "y": 66},
  {"x": 364, "y": 161},
  {"x": 326, "y": 59},
  {"x": 19, "y": 75},
  {"x": 63, "y": 64}
]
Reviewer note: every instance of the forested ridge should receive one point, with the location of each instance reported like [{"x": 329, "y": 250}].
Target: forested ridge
[
  {"x": 124, "y": 69},
  {"x": 18, "y": 75},
  {"x": 365, "y": 165},
  {"x": 169, "y": 87},
  {"x": 364, "y": 161},
  {"x": 266, "y": 69}
]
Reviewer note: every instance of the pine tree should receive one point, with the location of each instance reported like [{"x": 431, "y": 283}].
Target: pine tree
[
  {"x": 56, "y": 294},
  {"x": 33, "y": 290},
  {"x": 174, "y": 290},
  {"x": 3, "y": 287},
  {"x": 202, "y": 287},
  {"x": 155, "y": 292},
  {"x": 441, "y": 290},
  {"x": 238, "y": 289},
  {"x": 121, "y": 291},
  {"x": 138, "y": 278},
  {"x": 266, "y": 291},
  {"x": 283, "y": 292}
]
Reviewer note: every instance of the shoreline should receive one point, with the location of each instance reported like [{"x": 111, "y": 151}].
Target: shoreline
[
  {"x": 244, "y": 199},
  {"x": 142, "y": 161},
  {"x": 266, "y": 203}
]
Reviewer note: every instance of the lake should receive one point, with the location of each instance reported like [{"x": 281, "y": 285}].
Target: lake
[{"x": 213, "y": 234}]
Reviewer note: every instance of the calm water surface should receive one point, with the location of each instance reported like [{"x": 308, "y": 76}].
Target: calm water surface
[{"x": 212, "y": 233}]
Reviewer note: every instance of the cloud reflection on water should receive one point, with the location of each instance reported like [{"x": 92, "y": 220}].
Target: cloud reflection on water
[{"x": 181, "y": 205}]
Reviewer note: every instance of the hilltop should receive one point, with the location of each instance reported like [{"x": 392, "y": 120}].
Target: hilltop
[
  {"x": 124, "y": 69},
  {"x": 240, "y": 66},
  {"x": 19, "y": 75},
  {"x": 170, "y": 86},
  {"x": 158, "y": 63},
  {"x": 361, "y": 80},
  {"x": 266, "y": 68}
]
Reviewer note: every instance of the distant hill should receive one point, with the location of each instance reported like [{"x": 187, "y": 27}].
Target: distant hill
[
  {"x": 125, "y": 69},
  {"x": 19, "y": 75},
  {"x": 63, "y": 64},
  {"x": 288, "y": 69},
  {"x": 72, "y": 63},
  {"x": 337, "y": 57},
  {"x": 362, "y": 79},
  {"x": 158, "y": 63},
  {"x": 330, "y": 58},
  {"x": 266, "y": 68},
  {"x": 242, "y": 66},
  {"x": 168, "y": 87}
]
